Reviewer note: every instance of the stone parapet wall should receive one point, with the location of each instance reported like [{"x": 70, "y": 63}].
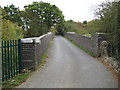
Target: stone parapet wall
[{"x": 90, "y": 43}]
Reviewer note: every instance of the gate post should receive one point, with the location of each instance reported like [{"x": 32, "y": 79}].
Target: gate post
[
  {"x": 19, "y": 55},
  {"x": 98, "y": 38}
]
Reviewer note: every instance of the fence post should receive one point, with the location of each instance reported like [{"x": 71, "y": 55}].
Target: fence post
[
  {"x": 19, "y": 55},
  {"x": 2, "y": 62},
  {"x": 8, "y": 58}
]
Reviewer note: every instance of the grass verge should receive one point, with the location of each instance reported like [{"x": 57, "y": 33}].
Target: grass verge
[
  {"x": 45, "y": 56},
  {"x": 17, "y": 80},
  {"x": 43, "y": 60}
]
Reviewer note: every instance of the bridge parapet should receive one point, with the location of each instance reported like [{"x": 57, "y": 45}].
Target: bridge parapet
[
  {"x": 90, "y": 43},
  {"x": 32, "y": 50}
]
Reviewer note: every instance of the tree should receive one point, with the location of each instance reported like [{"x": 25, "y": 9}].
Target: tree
[
  {"x": 75, "y": 27},
  {"x": 118, "y": 31},
  {"x": 60, "y": 29},
  {"x": 70, "y": 20},
  {"x": 108, "y": 15},
  {"x": 12, "y": 13},
  {"x": 84, "y": 22},
  {"x": 40, "y": 16},
  {"x": 10, "y": 30}
]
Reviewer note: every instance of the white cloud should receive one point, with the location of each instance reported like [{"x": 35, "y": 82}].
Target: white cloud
[{"x": 77, "y": 10}]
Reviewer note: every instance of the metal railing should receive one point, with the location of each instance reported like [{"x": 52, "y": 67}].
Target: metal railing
[{"x": 11, "y": 59}]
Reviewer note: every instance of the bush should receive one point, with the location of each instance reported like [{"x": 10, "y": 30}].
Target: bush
[{"x": 11, "y": 31}]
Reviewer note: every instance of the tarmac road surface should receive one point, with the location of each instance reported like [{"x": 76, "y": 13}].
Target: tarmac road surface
[{"x": 69, "y": 67}]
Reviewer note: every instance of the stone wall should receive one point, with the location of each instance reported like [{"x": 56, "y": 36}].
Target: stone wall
[
  {"x": 32, "y": 50},
  {"x": 90, "y": 43}
]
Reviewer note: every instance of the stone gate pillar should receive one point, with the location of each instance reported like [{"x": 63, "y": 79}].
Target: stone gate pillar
[{"x": 98, "y": 38}]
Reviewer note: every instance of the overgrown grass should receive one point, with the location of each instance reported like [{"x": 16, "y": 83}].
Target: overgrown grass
[
  {"x": 85, "y": 29},
  {"x": 81, "y": 47},
  {"x": 45, "y": 56},
  {"x": 75, "y": 27},
  {"x": 43, "y": 60},
  {"x": 15, "y": 81},
  {"x": 93, "y": 26}
]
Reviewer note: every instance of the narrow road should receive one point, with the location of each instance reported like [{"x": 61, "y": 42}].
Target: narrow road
[{"x": 69, "y": 67}]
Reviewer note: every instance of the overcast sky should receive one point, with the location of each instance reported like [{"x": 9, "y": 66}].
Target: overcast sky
[{"x": 77, "y": 10}]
